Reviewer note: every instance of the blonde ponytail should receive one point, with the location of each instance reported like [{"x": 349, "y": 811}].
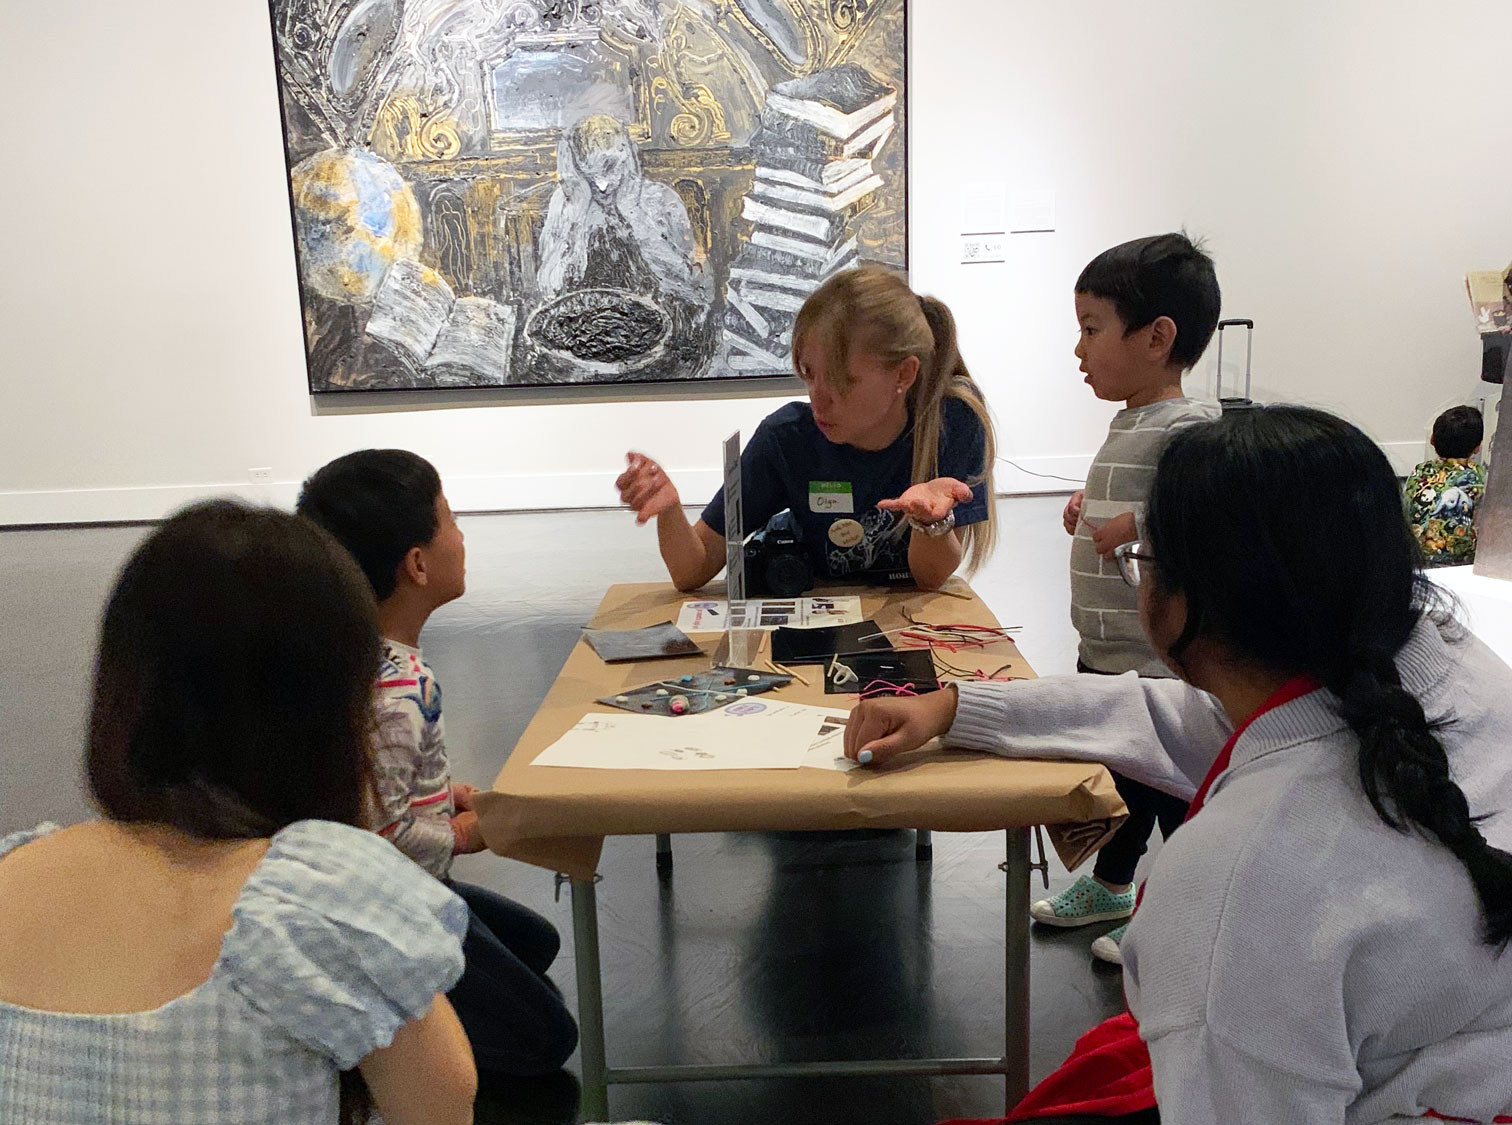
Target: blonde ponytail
[
  {"x": 947, "y": 377},
  {"x": 874, "y": 308}
]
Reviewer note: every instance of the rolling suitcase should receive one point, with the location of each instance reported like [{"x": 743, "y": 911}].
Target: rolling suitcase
[{"x": 1242, "y": 402}]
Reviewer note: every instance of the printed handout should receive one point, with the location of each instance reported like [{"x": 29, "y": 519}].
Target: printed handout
[
  {"x": 750, "y": 734},
  {"x": 828, "y": 749},
  {"x": 768, "y": 613}
]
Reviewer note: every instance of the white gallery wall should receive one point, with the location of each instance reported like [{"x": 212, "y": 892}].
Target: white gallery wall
[{"x": 1346, "y": 161}]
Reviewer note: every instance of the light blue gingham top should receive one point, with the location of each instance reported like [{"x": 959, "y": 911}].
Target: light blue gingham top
[{"x": 337, "y": 941}]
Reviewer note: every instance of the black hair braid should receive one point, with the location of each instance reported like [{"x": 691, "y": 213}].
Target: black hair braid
[
  {"x": 1405, "y": 774},
  {"x": 1229, "y": 537}
]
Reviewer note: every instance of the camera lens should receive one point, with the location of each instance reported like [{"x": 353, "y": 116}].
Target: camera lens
[{"x": 788, "y": 575}]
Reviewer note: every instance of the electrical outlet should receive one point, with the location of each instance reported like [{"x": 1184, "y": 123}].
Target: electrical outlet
[{"x": 263, "y": 475}]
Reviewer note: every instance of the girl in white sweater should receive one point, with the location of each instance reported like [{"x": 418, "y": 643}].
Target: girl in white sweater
[{"x": 1326, "y": 939}]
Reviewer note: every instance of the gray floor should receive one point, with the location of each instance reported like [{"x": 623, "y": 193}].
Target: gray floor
[{"x": 684, "y": 960}]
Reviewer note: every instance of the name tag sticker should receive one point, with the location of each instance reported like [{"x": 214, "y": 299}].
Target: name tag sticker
[{"x": 830, "y": 496}]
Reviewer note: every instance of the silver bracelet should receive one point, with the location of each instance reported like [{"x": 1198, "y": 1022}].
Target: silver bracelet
[{"x": 935, "y": 530}]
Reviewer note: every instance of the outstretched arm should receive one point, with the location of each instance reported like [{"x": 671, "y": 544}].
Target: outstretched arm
[
  {"x": 932, "y": 559},
  {"x": 694, "y": 553},
  {"x": 1163, "y": 733}
]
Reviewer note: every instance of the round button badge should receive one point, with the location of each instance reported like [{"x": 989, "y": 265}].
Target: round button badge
[{"x": 846, "y": 533}]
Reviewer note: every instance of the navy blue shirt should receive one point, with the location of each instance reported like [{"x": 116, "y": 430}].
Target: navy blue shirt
[{"x": 833, "y": 489}]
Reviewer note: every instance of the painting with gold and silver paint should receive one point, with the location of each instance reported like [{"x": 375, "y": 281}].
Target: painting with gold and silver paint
[{"x": 556, "y": 192}]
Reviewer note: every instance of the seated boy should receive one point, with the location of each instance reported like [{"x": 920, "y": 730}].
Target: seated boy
[
  {"x": 387, "y": 508},
  {"x": 1442, "y": 494}
]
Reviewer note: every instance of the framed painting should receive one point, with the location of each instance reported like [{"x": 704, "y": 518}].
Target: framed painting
[{"x": 496, "y": 193}]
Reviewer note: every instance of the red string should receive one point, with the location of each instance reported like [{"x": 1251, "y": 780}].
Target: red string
[
  {"x": 952, "y": 637},
  {"x": 886, "y": 687}
]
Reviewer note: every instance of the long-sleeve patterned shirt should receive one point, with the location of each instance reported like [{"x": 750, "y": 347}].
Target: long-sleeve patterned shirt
[
  {"x": 414, "y": 775},
  {"x": 1441, "y": 497}
]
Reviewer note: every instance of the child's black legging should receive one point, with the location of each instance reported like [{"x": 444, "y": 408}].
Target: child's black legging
[
  {"x": 513, "y": 1014},
  {"x": 1119, "y": 858}
]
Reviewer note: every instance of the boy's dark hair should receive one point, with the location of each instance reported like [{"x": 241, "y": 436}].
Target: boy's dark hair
[
  {"x": 1226, "y": 532},
  {"x": 1163, "y": 275},
  {"x": 378, "y": 503},
  {"x": 1457, "y": 431},
  {"x": 233, "y": 682}
]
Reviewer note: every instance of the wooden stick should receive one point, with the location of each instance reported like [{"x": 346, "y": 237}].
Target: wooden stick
[{"x": 784, "y": 670}]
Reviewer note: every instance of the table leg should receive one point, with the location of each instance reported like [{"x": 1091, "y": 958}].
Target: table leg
[
  {"x": 663, "y": 853},
  {"x": 1016, "y": 967},
  {"x": 590, "y": 987},
  {"x": 923, "y": 845}
]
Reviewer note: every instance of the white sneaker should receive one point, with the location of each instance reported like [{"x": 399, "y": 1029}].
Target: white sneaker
[
  {"x": 1106, "y": 947},
  {"x": 1083, "y": 903}
]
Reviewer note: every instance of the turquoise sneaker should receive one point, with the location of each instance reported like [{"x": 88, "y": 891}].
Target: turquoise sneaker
[
  {"x": 1106, "y": 948},
  {"x": 1083, "y": 903}
]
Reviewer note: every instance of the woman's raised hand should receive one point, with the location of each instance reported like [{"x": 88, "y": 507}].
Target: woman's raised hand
[
  {"x": 930, "y": 501},
  {"x": 645, "y": 487}
]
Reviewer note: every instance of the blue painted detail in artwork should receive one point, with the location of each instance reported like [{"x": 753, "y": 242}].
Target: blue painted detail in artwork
[{"x": 365, "y": 259}]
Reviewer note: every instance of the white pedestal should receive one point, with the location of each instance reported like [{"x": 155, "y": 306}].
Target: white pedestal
[{"x": 1487, "y": 604}]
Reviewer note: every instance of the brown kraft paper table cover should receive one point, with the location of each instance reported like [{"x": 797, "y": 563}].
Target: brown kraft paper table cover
[{"x": 557, "y": 817}]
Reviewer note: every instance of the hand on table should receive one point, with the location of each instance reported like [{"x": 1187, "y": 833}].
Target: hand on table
[
  {"x": 880, "y": 729},
  {"x": 930, "y": 501},
  {"x": 467, "y": 834},
  {"x": 645, "y": 487},
  {"x": 462, "y": 796},
  {"x": 1072, "y": 515},
  {"x": 1115, "y": 532}
]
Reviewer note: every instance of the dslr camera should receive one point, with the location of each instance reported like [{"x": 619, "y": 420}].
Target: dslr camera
[{"x": 776, "y": 564}]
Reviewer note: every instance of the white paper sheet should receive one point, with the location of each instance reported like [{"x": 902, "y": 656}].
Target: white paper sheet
[
  {"x": 769, "y": 613},
  {"x": 827, "y": 751},
  {"x": 752, "y": 734},
  {"x": 1095, "y": 513},
  {"x": 829, "y": 755}
]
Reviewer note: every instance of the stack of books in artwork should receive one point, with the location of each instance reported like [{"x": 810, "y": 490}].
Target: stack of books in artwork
[{"x": 814, "y": 176}]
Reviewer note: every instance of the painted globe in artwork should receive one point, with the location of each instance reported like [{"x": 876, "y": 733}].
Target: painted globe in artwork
[{"x": 356, "y": 216}]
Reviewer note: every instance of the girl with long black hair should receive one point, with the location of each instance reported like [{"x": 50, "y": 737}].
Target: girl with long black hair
[
  {"x": 229, "y": 941},
  {"x": 1325, "y": 939}
]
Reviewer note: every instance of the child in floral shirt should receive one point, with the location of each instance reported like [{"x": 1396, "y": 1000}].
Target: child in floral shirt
[{"x": 1442, "y": 494}]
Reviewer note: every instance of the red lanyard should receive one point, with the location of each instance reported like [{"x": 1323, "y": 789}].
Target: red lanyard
[{"x": 1294, "y": 688}]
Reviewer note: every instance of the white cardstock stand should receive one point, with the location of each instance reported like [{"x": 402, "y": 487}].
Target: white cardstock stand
[
  {"x": 734, "y": 521},
  {"x": 740, "y": 648}
]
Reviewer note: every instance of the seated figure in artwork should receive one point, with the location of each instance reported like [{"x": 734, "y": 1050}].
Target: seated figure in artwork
[{"x": 609, "y": 225}]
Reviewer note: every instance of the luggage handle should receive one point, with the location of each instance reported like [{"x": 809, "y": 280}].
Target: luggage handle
[{"x": 1249, "y": 349}]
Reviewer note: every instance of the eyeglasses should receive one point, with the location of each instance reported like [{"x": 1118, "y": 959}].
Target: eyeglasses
[{"x": 1134, "y": 561}]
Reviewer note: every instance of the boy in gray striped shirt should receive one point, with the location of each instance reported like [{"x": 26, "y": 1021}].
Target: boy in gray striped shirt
[{"x": 1147, "y": 310}]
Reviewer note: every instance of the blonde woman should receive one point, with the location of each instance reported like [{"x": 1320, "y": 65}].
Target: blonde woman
[{"x": 887, "y": 469}]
